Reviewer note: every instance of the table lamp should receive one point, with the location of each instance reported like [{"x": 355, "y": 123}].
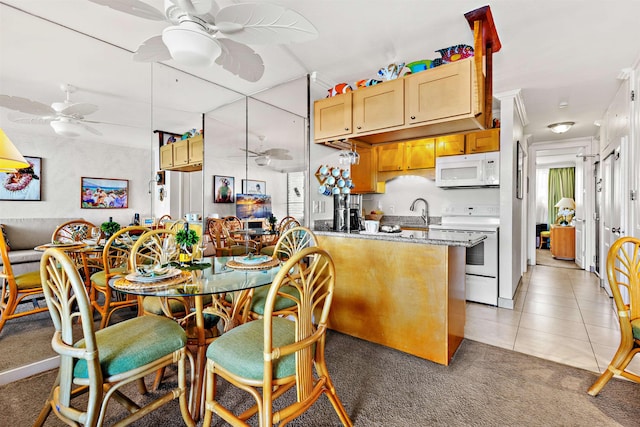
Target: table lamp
[
  {"x": 10, "y": 157},
  {"x": 566, "y": 204}
]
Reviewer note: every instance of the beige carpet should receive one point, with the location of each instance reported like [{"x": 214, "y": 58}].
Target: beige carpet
[{"x": 543, "y": 257}]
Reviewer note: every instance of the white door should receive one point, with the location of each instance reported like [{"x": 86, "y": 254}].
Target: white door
[
  {"x": 612, "y": 198},
  {"x": 580, "y": 210}
]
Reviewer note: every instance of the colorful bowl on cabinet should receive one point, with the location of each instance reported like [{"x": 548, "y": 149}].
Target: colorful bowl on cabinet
[{"x": 455, "y": 53}]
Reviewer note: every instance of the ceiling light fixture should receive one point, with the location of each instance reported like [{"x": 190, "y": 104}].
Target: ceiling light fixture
[
  {"x": 190, "y": 45},
  {"x": 263, "y": 160},
  {"x": 66, "y": 127},
  {"x": 561, "y": 127},
  {"x": 10, "y": 157}
]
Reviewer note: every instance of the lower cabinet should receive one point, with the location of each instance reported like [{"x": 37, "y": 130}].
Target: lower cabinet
[{"x": 563, "y": 242}]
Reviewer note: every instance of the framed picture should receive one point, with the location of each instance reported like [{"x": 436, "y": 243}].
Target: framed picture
[
  {"x": 23, "y": 184},
  {"x": 104, "y": 193},
  {"x": 223, "y": 189},
  {"x": 250, "y": 186},
  {"x": 519, "y": 172}
]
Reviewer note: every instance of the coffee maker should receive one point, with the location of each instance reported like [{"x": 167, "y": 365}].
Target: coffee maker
[{"x": 347, "y": 215}]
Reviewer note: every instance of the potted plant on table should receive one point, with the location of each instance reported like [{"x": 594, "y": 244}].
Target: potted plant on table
[
  {"x": 186, "y": 239},
  {"x": 272, "y": 222},
  {"x": 109, "y": 228}
]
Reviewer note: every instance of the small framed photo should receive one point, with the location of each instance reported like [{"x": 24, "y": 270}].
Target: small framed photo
[
  {"x": 250, "y": 186},
  {"x": 223, "y": 189},
  {"x": 104, "y": 193},
  {"x": 24, "y": 184}
]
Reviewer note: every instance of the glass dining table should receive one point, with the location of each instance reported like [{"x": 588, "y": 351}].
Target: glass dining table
[{"x": 213, "y": 277}]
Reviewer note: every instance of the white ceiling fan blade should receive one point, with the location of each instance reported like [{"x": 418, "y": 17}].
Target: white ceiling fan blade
[
  {"x": 25, "y": 105},
  {"x": 276, "y": 152},
  {"x": 31, "y": 120},
  {"x": 133, "y": 7},
  {"x": 255, "y": 153},
  {"x": 152, "y": 50},
  {"x": 264, "y": 24},
  {"x": 90, "y": 129},
  {"x": 111, "y": 124},
  {"x": 240, "y": 60},
  {"x": 79, "y": 109},
  {"x": 194, "y": 7}
]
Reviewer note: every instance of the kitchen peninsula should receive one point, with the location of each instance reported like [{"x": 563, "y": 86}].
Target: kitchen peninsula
[{"x": 405, "y": 291}]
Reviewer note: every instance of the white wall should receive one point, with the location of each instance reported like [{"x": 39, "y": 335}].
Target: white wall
[{"x": 64, "y": 162}]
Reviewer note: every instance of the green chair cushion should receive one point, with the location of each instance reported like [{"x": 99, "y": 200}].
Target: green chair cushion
[
  {"x": 99, "y": 277},
  {"x": 133, "y": 343},
  {"x": 239, "y": 250},
  {"x": 635, "y": 327},
  {"x": 29, "y": 280},
  {"x": 240, "y": 350},
  {"x": 260, "y": 298},
  {"x": 267, "y": 250},
  {"x": 154, "y": 305}
]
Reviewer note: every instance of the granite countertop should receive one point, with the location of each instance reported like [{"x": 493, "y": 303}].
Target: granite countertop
[{"x": 430, "y": 237}]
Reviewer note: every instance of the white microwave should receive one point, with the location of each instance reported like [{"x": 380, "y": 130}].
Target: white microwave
[{"x": 470, "y": 170}]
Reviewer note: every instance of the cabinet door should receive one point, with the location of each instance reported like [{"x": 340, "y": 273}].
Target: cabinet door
[
  {"x": 420, "y": 154},
  {"x": 390, "y": 157},
  {"x": 195, "y": 150},
  {"x": 166, "y": 156},
  {"x": 439, "y": 93},
  {"x": 180, "y": 153},
  {"x": 450, "y": 145},
  {"x": 483, "y": 141},
  {"x": 332, "y": 117},
  {"x": 364, "y": 174},
  {"x": 378, "y": 107}
]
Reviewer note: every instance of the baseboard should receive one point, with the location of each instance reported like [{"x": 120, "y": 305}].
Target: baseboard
[{"x": 26, "y": 371}]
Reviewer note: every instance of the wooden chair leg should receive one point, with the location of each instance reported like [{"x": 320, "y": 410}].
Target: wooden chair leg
[{"x": 158, "y": 379}]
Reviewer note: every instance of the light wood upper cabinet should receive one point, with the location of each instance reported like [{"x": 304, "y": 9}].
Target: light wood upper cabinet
[
  {"x": 439, "y": 93},
  {"x": 364, "y": 174},
  {"x": 196, "y": 150},
  {"x": 483, "y": 141},
  {"x": 390, "y": 157},
  {"x": 185, "y": 155},
  {"x": 409, "y": 155},
  {"x": 378, "y": 107},
  {"x": 420, "y": 154},
  {"x": 450, "y": 145},
  {"x": 332, "y": 117}
]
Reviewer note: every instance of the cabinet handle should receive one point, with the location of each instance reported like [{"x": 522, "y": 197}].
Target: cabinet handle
[
  {"x": 346, "y": 128},
  {"x": 359, "y": 127},
  {"x": 413, "y": 117}
]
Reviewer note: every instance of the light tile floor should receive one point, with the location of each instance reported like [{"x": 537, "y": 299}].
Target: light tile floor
[{"x": 560, "y": 314}]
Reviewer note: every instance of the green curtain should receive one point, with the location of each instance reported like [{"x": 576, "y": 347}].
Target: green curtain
[{"x": 561, "y": 184}]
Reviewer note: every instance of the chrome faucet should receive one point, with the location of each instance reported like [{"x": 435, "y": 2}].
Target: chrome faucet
[{"x": 425, "y": 211}]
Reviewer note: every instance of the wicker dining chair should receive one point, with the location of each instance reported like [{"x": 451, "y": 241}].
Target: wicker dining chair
[
  {"x": 17, "y": 289},
  {"x": 225, "y": 244},
  {"x": 102, "y": 362},
  {"x": 292, "y": 241},
  {"x": 76, "y": 230},
  {"x": 623, "y": 273},
  {"x": 274, "y": 353},
  {"x": 285, "y": 224},
  {"x": 115, "y": 262}
]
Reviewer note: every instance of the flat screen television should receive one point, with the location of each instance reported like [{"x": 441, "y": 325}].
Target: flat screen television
[{"x": 253, "y": 206}]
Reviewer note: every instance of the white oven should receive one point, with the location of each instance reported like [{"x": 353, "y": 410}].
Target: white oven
[{"x": 481, "y": 268}]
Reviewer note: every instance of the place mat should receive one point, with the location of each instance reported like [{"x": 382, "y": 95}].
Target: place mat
[
  {"x": 272, "y": 262},
  {"x": 123, "y": 284},
  {"x": 151, "y": 277},
  {"x": 63, "y": 245}
]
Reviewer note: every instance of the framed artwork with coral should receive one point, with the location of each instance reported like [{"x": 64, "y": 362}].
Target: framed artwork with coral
[
  {"x": 24, "y": 184},
  {"x": 104, "y": 193}
]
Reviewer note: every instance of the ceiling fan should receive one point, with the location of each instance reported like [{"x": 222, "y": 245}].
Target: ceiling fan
[
  {"x": 201, "y": 32},
  {"x": 263, "y": 158},
  {"x": 66, "y": 118}
]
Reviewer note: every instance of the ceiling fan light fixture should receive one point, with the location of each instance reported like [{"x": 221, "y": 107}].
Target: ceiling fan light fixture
[
  {"x": 263, "y": 160},
  {"x": 67, "y": 128},
  {"x": 191, "y": 46},
  {"x": 561, "y": 127}
]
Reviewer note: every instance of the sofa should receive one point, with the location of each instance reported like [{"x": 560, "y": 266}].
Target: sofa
[{"x": 23, "y": 235}]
